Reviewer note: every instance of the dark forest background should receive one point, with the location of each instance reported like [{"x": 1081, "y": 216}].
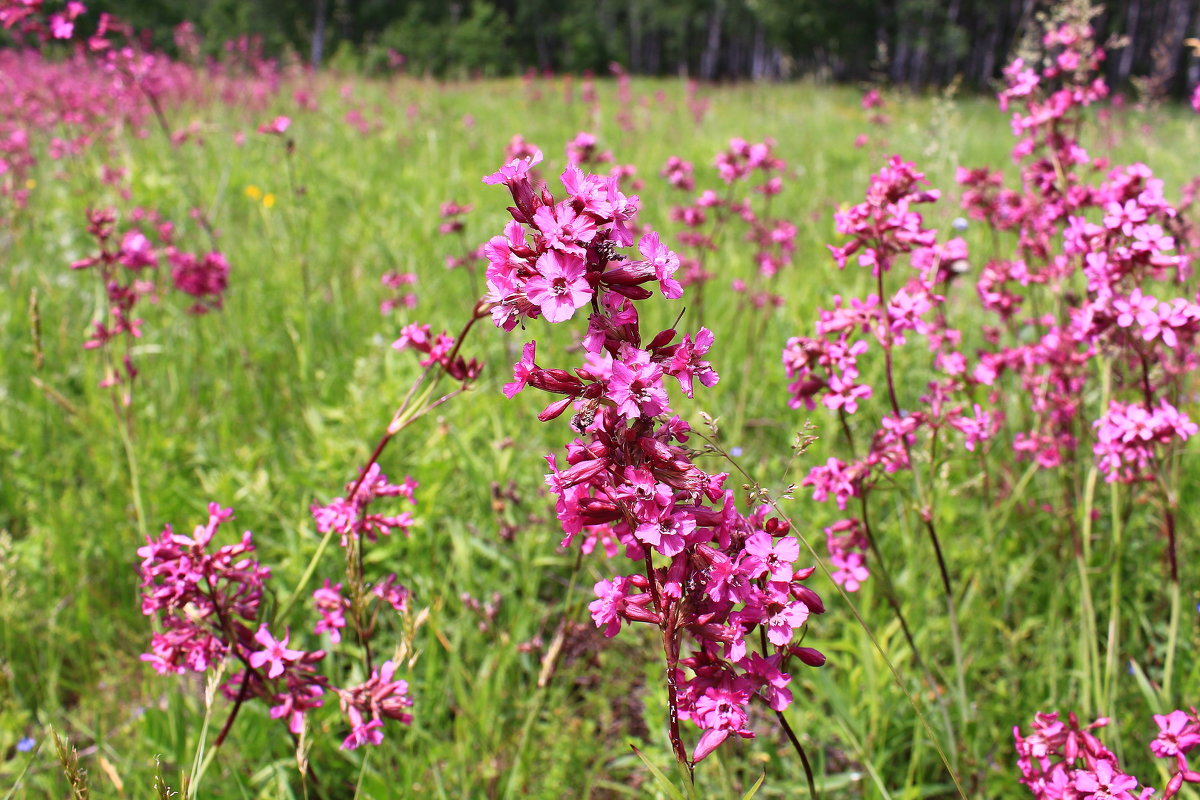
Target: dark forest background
[{"x": 914, "y": 42}]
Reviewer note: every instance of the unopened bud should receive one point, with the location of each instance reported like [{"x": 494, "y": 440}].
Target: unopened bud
[
  {"x": 809, "y": 655},
  {"x": 638, "y": 614},
  {"x": 662, "y": 339},
  {"x": 809, "y": 598}
]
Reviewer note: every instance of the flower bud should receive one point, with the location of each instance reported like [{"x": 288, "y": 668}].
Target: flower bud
[
  {"x": 638, "y": 614},
  {"x": 809, "y": 598},
  {"x": 809, "y": 655}
]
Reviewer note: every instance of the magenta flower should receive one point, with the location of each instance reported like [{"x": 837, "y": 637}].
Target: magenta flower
[
  {"x": 688, "y": 362},
  {"x": 559, "y": 287},
  {"x": 563, "y": 229},
  {"x": 664, "y": 262},
  {"x": 521, "y": 370},
  {"x": 1105, "y": 782},
  {"x": 636, "y": 386},
  {"x": 275, "y": 653},
  {"x": 774, "y": 558},
  {"x": 276, "y": 127},
  {"x": 515, "y": 170},
  {"x": 331, "y": 606},
  {"x": 1177, "y": 735},
  {"x": 379, "y": 697},
  {"x": 606, "y": 608}
]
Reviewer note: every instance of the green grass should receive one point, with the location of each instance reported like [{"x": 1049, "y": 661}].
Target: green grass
[{"x": 273, "y": 403}]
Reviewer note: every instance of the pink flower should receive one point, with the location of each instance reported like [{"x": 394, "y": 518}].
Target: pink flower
[
  {"x": 606, "y": 608},
  {"x": 688, "y": 362},
  {"x": 636, "y": 386},
  {"x": 1177, "y": 734},
  {"x": 559, "y": 287},
  {"x": 664, "y": 262},
  {"x": 370, "y": 732},
  {"x": 275, "y": 127},
  {"x": 774, "y": 558},
  {"x": 330, "y": 605},
  {"x": 521, "y": 370},
  {"x": 274, "y": 652},
  {"x": 515, "y": 170},
  {"x": 1104, "y": 782},
  {"x": 563, "y": 229},
  {"x": 784, "y": 621}
]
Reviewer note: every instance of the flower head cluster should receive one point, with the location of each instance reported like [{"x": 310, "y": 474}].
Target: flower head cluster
[
  {"x": 825, "y": 368},
  {"x": 745, "y": 170},
  {"x": 709, "y": 575},
  {"x": 451, "y": 214},
  {"x": 201, "y": 597},
  {"x": 125, "y": 264},
  {"x": 1127, "y": 435},
  {"x": 567, "y": 260},
  {"x": 350, "y": 518},
  {"x": 441, "y": 350},
  {"x": 371, "y": 702},
  {"x": 397, "y": 281},
  {"x": 1059, "y": 760},
  {"x": 208, "y": 603},
  {"x": 203, "y": 277},
  {"x": 1062, "y": 761},
  {"x": 208, "y": 606},
  {"x": 1116, "y": 231}
]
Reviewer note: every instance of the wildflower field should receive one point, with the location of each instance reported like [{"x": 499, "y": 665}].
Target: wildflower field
[{"x": 591, "y": 436}]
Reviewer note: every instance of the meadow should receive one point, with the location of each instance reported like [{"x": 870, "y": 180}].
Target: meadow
[{"x": 272, "y": 401}]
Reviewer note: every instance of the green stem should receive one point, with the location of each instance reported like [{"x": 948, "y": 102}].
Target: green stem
[
  {"x": 134, "y": 479},
  {"x": 1172, "y": 643},
  {"x": 1089, "y": 645},
  {"x": 306, "y": 577},
  {"x": 1114, "y": 606}
]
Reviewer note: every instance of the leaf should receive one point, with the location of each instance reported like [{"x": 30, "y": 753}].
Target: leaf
[
  {"x": 757, "y": 785},
  {"x": 659, "y": 777}
]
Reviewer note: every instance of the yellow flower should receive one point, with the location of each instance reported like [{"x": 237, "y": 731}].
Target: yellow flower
[
  {"x": 30, "y": 184},
  {"x": 253, "y": 192},
  {"x": 268, "y": 200}
]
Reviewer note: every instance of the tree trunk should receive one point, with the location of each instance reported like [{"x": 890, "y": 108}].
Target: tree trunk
[
  {"x": 318, "y": 38},
  {"x": 708, "y": 61}
]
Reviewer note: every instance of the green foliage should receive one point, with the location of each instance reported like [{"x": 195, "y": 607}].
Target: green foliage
[{"x": 458, "y": 46}]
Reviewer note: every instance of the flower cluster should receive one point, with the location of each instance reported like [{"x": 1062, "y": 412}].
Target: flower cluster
[
  {"x": 1063, "y": 761},
  {"x": 441, "y": 350},
  {"x": 451, "y": 212},
  {"x": 773, "y": 239},
  {"x": 201, "y": 597},
  {"x": 708, "y": 574},
  {"x": 371, "y": 702},
  {"x": 1097, "y": 248},
  {"x": 1060, "y": 761},
  {"x": 825, "y": 368},
  {"x": 126, "y": 263},
  {"x": 208, "y": 604},
  {"x": 565, "y": 266},
  {"x": 58, "y": 105},
  {"x": 397, "y": 281},
  {"x": 1127, "y": 434},
  {"x": 350, "y": 517}
]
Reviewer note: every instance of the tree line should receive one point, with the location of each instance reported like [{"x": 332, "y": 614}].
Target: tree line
[{"x": 914, "y": 42}]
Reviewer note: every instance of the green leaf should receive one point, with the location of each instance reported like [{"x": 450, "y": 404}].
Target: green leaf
[{"x": 670, "y": 788}]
